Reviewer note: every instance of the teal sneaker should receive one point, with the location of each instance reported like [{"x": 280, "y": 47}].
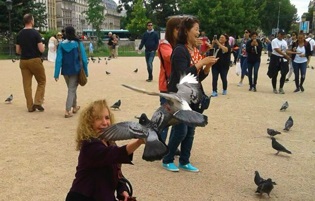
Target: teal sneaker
[
  {"x": 170, "y": 167},
  {"x": 214, "y": 94},
  {"x": 188, "y": 167},
  {"x": 224, "y": 92}
]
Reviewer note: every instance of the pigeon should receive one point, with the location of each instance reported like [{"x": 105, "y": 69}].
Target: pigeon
[
  {"x": 106, "y": 62},
  {"x": 177, "y": 105},
  {"x": 13, "y": 60},
  {"x": 272, "y": 132},
  {"x": 116, "y": 105},
  {"x": 93, "y": 59},
  {"x": 265, "y": 187},
  {"x": 288, "y": 124},
  {"x": 277, "y": 146},
  {"x": 99, "y": 60},
  {"x": 136, "y": 70},
  {"x": 107, "y": 72},
  {"x": 258, "y": 180},
  {"x": 9, "y": 99},
  {"x": 285, "y": 106},
  {"x": 154, "y": 148},
  {"x": 124, "y": 131}
]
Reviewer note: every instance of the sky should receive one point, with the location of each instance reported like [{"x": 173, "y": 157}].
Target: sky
[{"x": 301, "y": 6}]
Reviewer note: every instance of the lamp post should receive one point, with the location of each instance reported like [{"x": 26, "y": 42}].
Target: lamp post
[
  {"x": 278, "y": 17},
  {"x": 9, "y": 8},
  {"x": 303, "y": 23}
]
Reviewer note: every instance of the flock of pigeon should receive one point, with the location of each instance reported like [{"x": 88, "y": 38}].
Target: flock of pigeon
[{"x": 266, "y": 186}]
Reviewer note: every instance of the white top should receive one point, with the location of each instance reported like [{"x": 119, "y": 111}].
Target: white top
[
  {"x": 299, "y": 59},
  {"x": 311, "y": 42},
  {"x": 282, "y": 44}
]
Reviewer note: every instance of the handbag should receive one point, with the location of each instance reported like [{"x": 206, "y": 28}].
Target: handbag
[
  {"x": 125, "y": 181},
  {"x": 82, "y": 80}
]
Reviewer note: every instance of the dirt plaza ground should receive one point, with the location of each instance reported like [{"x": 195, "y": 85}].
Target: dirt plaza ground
[{"x": 38, "y": 157}]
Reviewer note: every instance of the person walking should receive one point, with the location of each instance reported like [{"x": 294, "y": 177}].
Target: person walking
[
  {"x": 253, "y": 48},
  {"x": 68, "y": 61},
  {"x": 242, "y": 56},
  {"x": 278, "y": 62},
  {"x": 29, "y": 45},
  {"x": 150, "y": 40},
  {"x": 294, "y": 39},
  {"x": 52, "y": 49}
]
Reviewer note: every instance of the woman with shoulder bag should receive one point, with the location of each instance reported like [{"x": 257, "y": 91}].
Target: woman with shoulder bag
[{"x": 68, "y": 61}]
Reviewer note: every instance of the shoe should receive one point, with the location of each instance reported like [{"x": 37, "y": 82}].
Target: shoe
[
  {"x": 188, "y": 167},
  {"x": 75, "y": 109},
  {"x": 32, "y": 109},
  {"x": 214, "y": 94},
  {"x": 302, "y": 88},
  {"x": 68, "y": 115},
  {"x": 38, "y": 107},
  {"x": 149, "y": 80},
  {"x": 224, "y": 92},
  {"x": 254, "y": 89},
  {"x": 250, "y": 88},
  {"x": 170, "y": 167},
  {"x": 296, "y": 90},
  {"x": 240, "y": 84},
  {"x": 177, "y": 152},
  {"x": 275, "y": 91},
  {"x": 287, "y": 80},
  {"x": 281, "y": 91}
]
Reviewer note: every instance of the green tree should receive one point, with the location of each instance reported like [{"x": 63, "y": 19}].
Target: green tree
[
  {"x": 139, "y": 19},
  {"x": 95, "y": 16}
]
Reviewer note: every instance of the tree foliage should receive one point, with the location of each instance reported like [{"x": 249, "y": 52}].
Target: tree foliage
[
  {"x": 95, "y": 16},
  {"x": 138, "y": 17}
]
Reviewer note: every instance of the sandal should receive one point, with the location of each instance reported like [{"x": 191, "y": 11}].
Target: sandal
[
  {"x": 68, "y": 115},
  {"x": 76, "y": 109}
]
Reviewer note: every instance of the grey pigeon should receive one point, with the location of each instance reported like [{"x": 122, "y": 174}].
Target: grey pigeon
[
  {"x": 285, "y": 106},
  {"x": 136, "y": 70},
  {"x": 9, "y": 99},
  {"x": 93, "y": 59},
  {"x": 277, "y": 146},
  {"x": 106, "y": 62},
  {"x": 177, "y": 104},
  {"x": 154, "y": 148},
  {"x": 258, "y": 180},
  {"x": 107, "y": 73},
  {"x": 288, "y": 124},
  {"x": 116, "y": 105},
  {"x": 265, "y": 187},
  {"x": 124, "y": 131},
  {"x": 272, "y": 132}
]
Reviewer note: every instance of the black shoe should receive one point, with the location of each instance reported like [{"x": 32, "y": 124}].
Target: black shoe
[
  {"x": 296, "y": 90},
  {"x": 177, "y": 152},
  {"x": 32, "y": 109},
  {"x": 149, "y": 80},
  {"x": 250, "y": 88},
  {"x": 302, "y": 88},
  {"x": 254, "y": 89},
  {"x": 287, "y": 80},
  {"x": 38, "y": 107}
]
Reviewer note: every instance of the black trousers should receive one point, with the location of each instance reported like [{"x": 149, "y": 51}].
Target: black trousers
[{"x": 223, "y": 72}]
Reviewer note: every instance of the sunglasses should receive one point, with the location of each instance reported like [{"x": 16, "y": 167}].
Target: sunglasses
[{"x": 150, "y": 25}]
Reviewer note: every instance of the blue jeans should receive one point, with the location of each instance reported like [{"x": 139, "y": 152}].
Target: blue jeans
[
  {"x": 164, "y": 132},
  {"x": 299, "y": 67},
  {"x": 250, "y": 67},
  {"x": 184, "y": 135},
  {"x": 149, "y": 56},
  {"x": 243, "y": 66}
]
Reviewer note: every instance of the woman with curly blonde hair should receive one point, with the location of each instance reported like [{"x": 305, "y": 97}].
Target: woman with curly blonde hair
[{"x": 98, "y": 170}]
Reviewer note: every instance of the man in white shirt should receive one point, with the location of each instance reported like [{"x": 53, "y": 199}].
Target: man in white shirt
[
  {"x": 278, "y": 62},
  {"x": 311, "y": 41}
]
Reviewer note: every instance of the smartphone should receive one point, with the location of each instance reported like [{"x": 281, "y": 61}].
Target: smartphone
[{"x": 215, "y": 37}]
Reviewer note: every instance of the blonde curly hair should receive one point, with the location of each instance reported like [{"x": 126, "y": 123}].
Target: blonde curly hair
[{"x": 87, "y": 117}]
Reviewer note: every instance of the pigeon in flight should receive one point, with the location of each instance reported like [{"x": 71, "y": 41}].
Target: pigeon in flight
[
  {"x": 288, "y": 124},
  {"x": 9, "y": 99},
  {"x": 285, "y": 106},
  {"x": 154, "y": 148},
  {"x": 177, "y": 104},
  {"x": 136, "y": 70},
  {"x": 277, "y": 146},
  {"x": 272, "y": 132},
  {"x": 107, "y": 72},
  {"x": 258, "y": 180},
  {"x": 116, "y": 105},
  {"x": 265, "y": 186},
  {"x": 124, "y": 131}
]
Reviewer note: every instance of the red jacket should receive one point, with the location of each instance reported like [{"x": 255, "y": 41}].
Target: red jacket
[{"x": 164, "y": 52}]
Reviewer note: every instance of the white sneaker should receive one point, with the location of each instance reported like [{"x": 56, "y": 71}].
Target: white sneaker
[{"x": 240, "y": 84}]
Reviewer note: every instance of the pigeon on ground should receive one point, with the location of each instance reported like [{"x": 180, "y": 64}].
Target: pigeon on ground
[
  {"x": 116, "y": 105},
  {"x": 13, "y": 60},
  {"x": 9, "y": 99},
  {"x": 107, "y": 73},
  {"x": 93, "y": 59},
  {"x": 177, "y": 104},
  {"x": 136, "y": 70},
  {"x": 277, "y": 146},
  {"x": 258, "y": 180},
  {"x": 288, "y": 124},
  {"x": 265, "y": 187},
  {"x": 272, "y": 132},
  {"x": 106, "y": 62},
  {"x": 124, "y": 131},
  {"x": 285, "y": 106},
  {"x": 154, "y": 148}
]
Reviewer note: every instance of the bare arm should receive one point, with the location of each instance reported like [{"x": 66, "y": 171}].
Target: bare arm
[
  {"x": 18, "y": 49},
  {"x": 134, "y": 145},
  {"x": 41, "y": 47}
]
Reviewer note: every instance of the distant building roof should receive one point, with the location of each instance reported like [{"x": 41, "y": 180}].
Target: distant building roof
[{"x": 110, "y": 4}]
